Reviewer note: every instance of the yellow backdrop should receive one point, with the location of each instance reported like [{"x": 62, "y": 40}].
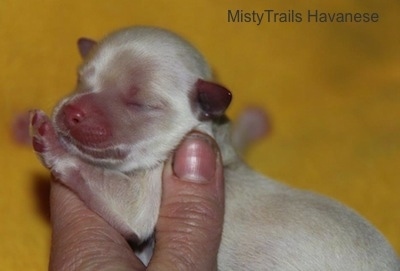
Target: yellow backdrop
[{"x": 331, "y": 90}]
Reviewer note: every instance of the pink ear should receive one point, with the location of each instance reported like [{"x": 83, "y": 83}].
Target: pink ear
[
  {"x": 213, "y": 99},
  {"x": 85, "y": 45}
]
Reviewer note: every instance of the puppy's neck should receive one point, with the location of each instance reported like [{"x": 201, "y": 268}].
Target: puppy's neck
[
  {"x": 143, "y": 173},
  {"x": 148, "y": 200},
  {"x": 222, "y": 132}
]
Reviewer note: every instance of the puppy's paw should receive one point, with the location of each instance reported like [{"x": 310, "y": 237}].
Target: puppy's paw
[
  {"x": 40, "y": 126},
  {"x": 44, "y": 138},
  {"x": 252, "y": 124},
  {"x": 20, "y": 129}
]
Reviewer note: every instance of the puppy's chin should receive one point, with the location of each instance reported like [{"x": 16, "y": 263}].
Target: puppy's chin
[{"x": 109, "y": 156}]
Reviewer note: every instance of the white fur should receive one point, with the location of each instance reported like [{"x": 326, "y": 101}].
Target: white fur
[{"x": 268, "y": 225}]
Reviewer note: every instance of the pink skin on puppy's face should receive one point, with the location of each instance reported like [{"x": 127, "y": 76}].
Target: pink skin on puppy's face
[
  {"x": 139, "y": 93},
  {"x": 105, "y": 117}
]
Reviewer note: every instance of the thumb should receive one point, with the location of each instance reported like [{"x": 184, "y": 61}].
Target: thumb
[{"x": 189, "y": 228}]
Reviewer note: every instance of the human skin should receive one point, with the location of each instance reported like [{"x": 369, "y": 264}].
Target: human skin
[
  {"x": 139, "y": 92},
  {"x": 189, "y": 227}
]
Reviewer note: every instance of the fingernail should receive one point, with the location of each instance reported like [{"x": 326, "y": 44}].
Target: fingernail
[{"x": 195, "y": 159}]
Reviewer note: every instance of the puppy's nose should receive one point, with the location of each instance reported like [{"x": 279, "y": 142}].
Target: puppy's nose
[{"x": 73, "y": 115}]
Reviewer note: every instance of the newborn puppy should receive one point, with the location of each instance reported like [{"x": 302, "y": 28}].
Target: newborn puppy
[{"x": 139, "y": 92}]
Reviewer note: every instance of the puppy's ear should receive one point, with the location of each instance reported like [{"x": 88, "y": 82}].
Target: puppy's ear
[
  {"x": 213, "y": 99},
  {"x": 85, "y": 45}
]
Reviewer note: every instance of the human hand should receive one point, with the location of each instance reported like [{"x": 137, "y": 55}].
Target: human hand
[{"x": 188, "y": 231}]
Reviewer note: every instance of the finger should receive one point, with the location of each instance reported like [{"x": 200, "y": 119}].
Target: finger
[
  {"x": 81, "y": 240},
  {"x": 188, "y": 232}
]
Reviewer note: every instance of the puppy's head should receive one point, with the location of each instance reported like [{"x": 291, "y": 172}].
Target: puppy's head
[{"x": 139, "y": 91}]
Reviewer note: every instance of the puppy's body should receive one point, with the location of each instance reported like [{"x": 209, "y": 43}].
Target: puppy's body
[
  {"x": 140, "y": 91},
  {"x": 295, "y": 230}
]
